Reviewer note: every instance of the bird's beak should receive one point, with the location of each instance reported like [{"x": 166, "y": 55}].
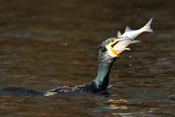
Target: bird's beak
[{"x": 111, "y": 47}]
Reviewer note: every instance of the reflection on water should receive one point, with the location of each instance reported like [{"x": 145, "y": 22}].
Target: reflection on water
[{"x": 44, "y": 44}]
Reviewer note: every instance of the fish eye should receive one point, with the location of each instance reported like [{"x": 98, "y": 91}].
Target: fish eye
[{"x": 112, "y": 40}]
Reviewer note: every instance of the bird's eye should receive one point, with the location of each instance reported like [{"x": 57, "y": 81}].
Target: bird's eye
[{"x": 112, "y": 40}]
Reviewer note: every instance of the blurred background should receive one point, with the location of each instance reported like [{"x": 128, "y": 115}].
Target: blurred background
[{"x": 44, "y": 44}]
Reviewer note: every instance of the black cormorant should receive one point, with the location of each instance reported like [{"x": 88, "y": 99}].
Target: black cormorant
[{"x": 107, "y": 53}]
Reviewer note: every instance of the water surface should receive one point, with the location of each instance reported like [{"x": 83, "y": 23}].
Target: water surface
[{"x": 45, "y": 44}]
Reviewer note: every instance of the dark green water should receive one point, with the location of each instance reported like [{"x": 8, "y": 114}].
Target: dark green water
[{"x": 44, "y": 44}]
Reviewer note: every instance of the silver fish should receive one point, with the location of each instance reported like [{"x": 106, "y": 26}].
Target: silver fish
[
  {"x": 120, "y": 43},
  {"x": 132, "y": 34}
]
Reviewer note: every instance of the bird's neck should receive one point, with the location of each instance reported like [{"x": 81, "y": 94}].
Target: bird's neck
[{"x": 102, "y": 78}]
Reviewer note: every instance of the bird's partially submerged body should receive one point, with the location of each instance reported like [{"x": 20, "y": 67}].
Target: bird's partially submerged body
[
  {"x": 85, "y": 88},
  {"x": 108, "y": 51}
]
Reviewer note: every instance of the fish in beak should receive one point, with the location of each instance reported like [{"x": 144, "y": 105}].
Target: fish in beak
[
  {"x": 119, "y": 44},
  {"x": 111, "y": 47}
]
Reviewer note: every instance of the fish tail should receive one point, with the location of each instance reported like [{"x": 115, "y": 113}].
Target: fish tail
[{"x": 147, "y": 27}]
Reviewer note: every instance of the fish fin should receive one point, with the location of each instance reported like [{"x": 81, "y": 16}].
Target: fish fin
[
  {"x": 147, "y": 27},
  {"x": 123, "y": 49},
  {"x": 136, "y": 41},
  {"x": 119, "y": 34},
  {"x": 126, "y": 49},
  {"x": 127, "y": 29},
  {"x": 124, "y": 39}
]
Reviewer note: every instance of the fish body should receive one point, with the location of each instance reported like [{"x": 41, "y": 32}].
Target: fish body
[{"x": 131, "y": 34}]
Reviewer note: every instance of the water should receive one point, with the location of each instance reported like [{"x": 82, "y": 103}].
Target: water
[{"x": 44, "y": 44}]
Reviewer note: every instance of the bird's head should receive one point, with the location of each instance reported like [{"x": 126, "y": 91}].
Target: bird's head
[{"x": 107, "y": 47}]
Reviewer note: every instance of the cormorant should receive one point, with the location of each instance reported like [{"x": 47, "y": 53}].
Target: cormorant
[{"x": 107, "y": 53}]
